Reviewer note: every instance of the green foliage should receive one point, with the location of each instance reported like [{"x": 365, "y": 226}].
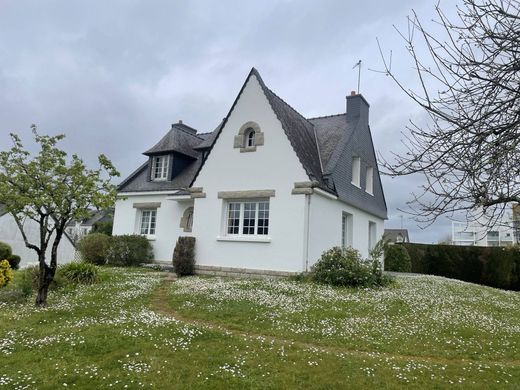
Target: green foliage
[
  {"x": 93, "y": 248},
  {"x": 6, "y": 273},
  {"x": 129, "y": 250},
  {"x": 184, "y": 256},
  {"x": 346, "y": 267},
  {"x": 51, "y": 189},
  {"x": 397, "y": 259},
  {"x": 103, "y": 227},
  {"x": 491, "y": 266},
  {"x": 14, "y": 261},
  {"x": 79, "y": 272},
  {"x": 5, "y": 250}
]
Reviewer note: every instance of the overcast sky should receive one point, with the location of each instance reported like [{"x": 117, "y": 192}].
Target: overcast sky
[{"x": 113, "y": 75}]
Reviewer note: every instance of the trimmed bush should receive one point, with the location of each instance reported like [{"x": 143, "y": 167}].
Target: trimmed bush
[
  {"x": 346, "y": 267},
  {"x": 397, "y": 259},
  {"x": 129, "y": 250},
  {"x": 79, "y": 272},
  {"x": 93, "y": 248},
  {"x": 14, "y": 261},
  {"x": 184, "y": 256},
  {"x": 6, "y": 273},
  {"x": 5, "y": 250},
  {"x": 491, "y": 266}
]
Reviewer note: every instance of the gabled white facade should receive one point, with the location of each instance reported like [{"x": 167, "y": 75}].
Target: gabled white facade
[{"x": 254, "y": 204}]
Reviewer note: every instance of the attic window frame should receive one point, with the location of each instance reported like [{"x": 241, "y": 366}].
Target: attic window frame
[
  {"x": 369, "y": 182},
  {"x": 356, "y": 171},
  {"x": 243, "y": 138},
  {"x": 164, "y": 166}
]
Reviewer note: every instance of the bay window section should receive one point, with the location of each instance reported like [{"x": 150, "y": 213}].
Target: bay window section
[{"x": 248, "y": 218}]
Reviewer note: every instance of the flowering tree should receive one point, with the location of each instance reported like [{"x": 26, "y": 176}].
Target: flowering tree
[{"x": 51, "y": 190}]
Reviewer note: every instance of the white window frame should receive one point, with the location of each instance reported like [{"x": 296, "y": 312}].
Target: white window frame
[
  {"x": 347, "y": 226},
  {"x": 250, "y": 138},
  {"x": 356, "y": 171},
  {"x": 258, "y": 204},
  {"x": 160, "y": 165},
  {"x": 372, "y": 235},
  {"x": 369, "y": 184},
  {"x": 149, "y": 231}
]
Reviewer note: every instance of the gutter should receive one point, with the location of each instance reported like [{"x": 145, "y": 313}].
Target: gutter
[{"x": 306, "y": 231}]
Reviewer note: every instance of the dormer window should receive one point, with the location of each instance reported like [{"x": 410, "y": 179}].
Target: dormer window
[
  {"x": 250, "y": 138},
  {"x": 160, "y": 168},
  {"x": 356, "y": 171}
]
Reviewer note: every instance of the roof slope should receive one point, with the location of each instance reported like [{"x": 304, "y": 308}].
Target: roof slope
[{"x": 180, "y": 138}]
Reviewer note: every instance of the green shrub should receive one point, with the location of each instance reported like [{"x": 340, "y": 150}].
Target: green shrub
[
  {"x": 397, "y": 259},
  {"x": 79, "y": 272},
  {"x": 5, "y": 250},
  {"x": 129, "y": 250},
  {"x": 346, "y": 267},
  {"x": 14, "y": 261},
  {"x": 32, "y": 277},
  {"x": 102, "y": 227},
  {"x": 6, "y": 273},
  {"x": 184, "y": 256},
  {"x": 93, "y": 248}
]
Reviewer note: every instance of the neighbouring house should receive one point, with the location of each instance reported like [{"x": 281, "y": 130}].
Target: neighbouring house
[
  {"x": 267, "y": 190},
  {"x": 77, "y": 229},
  {"x": 10, "y": 234},
  {"x": 396, "y": 235},
  {"x": 479, "y": 232}
]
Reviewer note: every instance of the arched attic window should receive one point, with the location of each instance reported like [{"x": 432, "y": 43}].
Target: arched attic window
[{"x": 249, "y": 137}]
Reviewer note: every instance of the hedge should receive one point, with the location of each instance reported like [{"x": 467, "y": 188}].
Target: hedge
[{"x": 490, "y": 266}]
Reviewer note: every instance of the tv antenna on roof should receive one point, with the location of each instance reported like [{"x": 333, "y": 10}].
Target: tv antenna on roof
[{"x": 358, "y": 64}]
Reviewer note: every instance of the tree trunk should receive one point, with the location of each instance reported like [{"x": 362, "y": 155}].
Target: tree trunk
[{"x": 45, "y": 279}]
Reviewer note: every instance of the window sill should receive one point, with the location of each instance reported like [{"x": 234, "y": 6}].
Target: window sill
[
  {"x": 356, "y": 185},
  {"x": 150, "y": 238},
  {"x": 370, "y": 193},
  {"x": 244, "y": 239}
]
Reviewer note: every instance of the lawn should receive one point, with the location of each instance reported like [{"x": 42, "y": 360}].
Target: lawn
[{"x": 138, "y": 329}]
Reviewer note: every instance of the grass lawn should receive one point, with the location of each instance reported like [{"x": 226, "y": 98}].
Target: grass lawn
[{"x": 137, "y": 329}]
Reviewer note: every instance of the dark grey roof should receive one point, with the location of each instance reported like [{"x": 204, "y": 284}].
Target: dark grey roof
[
  {"x": 330, "y": 129},
  {"x": 180, "y": 139},
  {"x": 392, "y": 234},
  {"x": 209, "y": 138}
]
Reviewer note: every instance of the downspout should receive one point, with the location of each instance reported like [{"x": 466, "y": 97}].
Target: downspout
[{"x": 306, "y": 231}]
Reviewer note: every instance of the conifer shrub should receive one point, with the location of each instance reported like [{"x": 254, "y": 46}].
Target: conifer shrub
[
  {"x": 93, "y": 248},
  {"x": 129, "y": 250},
  {"x": 184, "y": 256},
  {"x": 346, "y": 268},
  {"x": 397, "y": 259}
]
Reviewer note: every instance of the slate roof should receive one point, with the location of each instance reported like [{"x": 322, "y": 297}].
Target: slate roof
[
  {"x": 323, "y": 145},
  {"x": 391, "y": 234},
  {"x": 180, "y": 138}
]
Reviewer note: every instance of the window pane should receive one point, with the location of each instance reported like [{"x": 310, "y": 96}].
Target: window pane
[
  {"x": 151, "y": 230},
  {"x": 233, "y": 218},
  {"x": 145, "y": 221},
  {"x": 249, "y": 218},
  {"x": 263, "y": 218}
]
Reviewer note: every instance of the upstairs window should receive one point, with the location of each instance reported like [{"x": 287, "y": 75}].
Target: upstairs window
[
  {"x": 370, "y": 181},
  {"x": 356, "y": 171},
  {"x": 160, "y": 168},
  {"x": 250, "y": 138}
]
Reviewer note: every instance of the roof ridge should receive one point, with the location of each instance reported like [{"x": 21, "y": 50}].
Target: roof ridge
[
  {"x": 326, "y": 116},
  {"x": 186, "y": 132}
]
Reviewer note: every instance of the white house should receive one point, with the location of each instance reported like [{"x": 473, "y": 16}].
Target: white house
[
  {"x": 268, "y": 189},
  {"x": 479, "y": 232},
  {"x": 10, "y": 234}
]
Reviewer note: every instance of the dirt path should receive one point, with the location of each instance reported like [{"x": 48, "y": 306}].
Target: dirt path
[{"x": 159, "y": 305}]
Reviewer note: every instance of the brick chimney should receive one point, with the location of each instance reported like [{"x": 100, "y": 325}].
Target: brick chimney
[{"x": 357, "y": 107}]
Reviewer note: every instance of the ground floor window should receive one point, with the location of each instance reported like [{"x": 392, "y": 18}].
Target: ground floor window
[
  {"x": 147, "y": 222},
  {"x": 372, "y": 235},
  {"x": 346, "y": 230},
  {"x": 249, "y": 218}
]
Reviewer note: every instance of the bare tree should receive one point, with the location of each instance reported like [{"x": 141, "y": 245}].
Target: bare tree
[{"x": 470, "y": 87}]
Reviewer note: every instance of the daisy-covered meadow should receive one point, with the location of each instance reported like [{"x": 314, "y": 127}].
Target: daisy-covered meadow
[{"x": 139, "y": 329}]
